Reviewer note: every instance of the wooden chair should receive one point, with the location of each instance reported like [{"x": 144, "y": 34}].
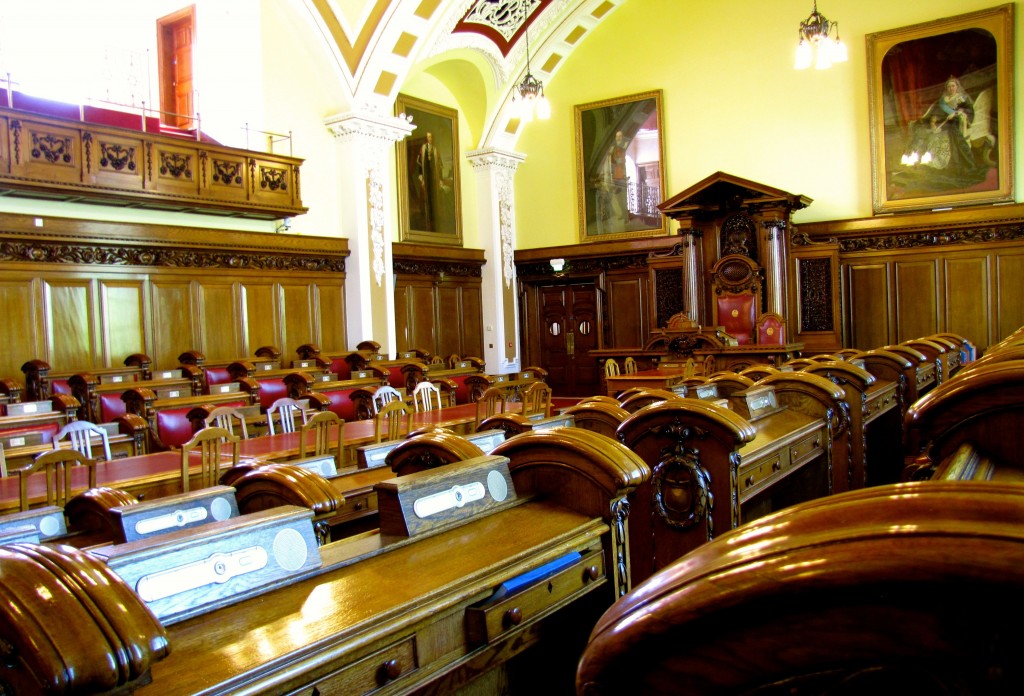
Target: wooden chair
[
  {"x": 436, "y": 360},
  {"x": 320, "y": 424},
  {"x": 537, "y": 399},
  {"x": 286, "y": 409},
  {"x": 736, "y": 286},
  {"x": 80, "y": 434},
  {"x": 383, "y": 396},
  {"x": 771, "y": 329},
  {"x": 454, "y": 360},
  {"x": 492, "y": 401},
  {"x": 57, "y": 466},
  {"x": 389, "y": 421},
  {"x": 611, "y": 368},
  {"x": 226, "y": 417},
  {"x": 208, "y": 443},
  {"x": 426, "y": 397},
  {"x": 630, "y": 365}
]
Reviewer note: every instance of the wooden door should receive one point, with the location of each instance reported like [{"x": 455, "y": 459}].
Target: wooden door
[
  {"x": 569, "y": 330},
  {"x": 175, "y": 34}
]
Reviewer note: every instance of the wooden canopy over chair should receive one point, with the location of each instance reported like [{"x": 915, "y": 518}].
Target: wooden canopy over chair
[
  {"x": 80, "y": 434},
  {"x": 392, "y": 422},
  {"x": 207, "y": 443},
  {"x": 57, "y": 466}
]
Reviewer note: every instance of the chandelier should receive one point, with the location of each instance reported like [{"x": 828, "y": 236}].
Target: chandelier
[
  {"x": 531, "y": 101},
  {"x": 819, "y": 42}
]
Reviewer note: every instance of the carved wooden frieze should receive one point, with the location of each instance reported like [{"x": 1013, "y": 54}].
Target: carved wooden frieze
[
  {"x": 176, "y": 165},
  {"x": 273, "y": 179},
  {"x": 584, "y": 265},
  {"x": 436, "y": 268},
  {"x": 1001, "y": 233},
  {"x": 668, "y": 283},
  {"x": 51, "y": 148},
  {"x": 227, "y": 173},
  {"x": 39, "y": 251},
  {"x": 117, "y": 157}
]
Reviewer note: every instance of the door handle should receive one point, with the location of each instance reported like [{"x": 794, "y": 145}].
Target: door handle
[{"x": 570, "y": 343}]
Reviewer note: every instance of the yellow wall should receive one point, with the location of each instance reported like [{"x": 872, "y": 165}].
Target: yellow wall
[{"x": 732, "y": 102}]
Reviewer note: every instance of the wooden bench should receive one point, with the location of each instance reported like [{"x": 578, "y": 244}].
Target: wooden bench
[
  {"x": 42, "y": 382},
  {"x": 341, "y": 364},
  {"x": 971, "y": 426},
  {"x": 227, "y": 371},
  {"x": 168, "y": 419},
  {"x": 896, "y": 589},
  {"x": 102, "y": 401}
]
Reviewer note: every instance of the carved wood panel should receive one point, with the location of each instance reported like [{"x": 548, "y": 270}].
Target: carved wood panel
[
  {"x": 70, "y": 321},
  {"x": 122, "y": 311},
  {"x": 917, "y": 299}
]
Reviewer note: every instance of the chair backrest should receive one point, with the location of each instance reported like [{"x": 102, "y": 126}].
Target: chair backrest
[
  {"x": 320, "y": 424},
  {"x": 453, "y": 360},
  {"x": 57, "y": 465},
  {"x": 392, "y": 421},
  {"x": 611, "y": 368},
  {"x": 537, "y": 399},
  {"x": 426, "y": 397},
  {"x": 383, "y": 396},
  {"x": 492, "y": 401},
  {"x": 229, "y": 418},
  {"x": 736, "y": 282},
  {"x": 436, "y": 360},
  {"x": 771, "y": 329},
  {"x": 285, "y": 409},
  {"x": 207, "y": 443},
  {"x": 80, "y": 434},
  {"x": 629, "y": 365}
]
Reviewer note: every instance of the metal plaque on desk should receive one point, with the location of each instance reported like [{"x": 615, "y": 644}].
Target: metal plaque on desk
[
  {"x": 192, "y": 571},
  {"x": 171, "y": 513},
  {"x": 422, "y": 502}
]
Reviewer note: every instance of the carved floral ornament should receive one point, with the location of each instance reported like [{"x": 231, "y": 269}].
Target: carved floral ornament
[{"x": 505, "y": 17}]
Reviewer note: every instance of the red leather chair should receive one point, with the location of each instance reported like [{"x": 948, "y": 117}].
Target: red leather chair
[
  {"x": 771, "y": 329},
  {"x": 736, "y": 283}
]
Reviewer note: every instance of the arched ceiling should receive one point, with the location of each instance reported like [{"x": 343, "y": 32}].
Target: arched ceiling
[{"x": 378, "y": 43}]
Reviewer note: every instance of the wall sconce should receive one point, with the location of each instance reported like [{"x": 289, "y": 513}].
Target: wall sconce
[
  {"x": 286, "y": 224},
  {"x": 557, "y": 265}
]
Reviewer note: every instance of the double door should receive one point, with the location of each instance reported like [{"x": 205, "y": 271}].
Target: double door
[{"x": 569, "y": 330}]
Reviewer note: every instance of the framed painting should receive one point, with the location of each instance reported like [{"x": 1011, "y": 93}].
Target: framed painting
[
  {"x": 620, "y": 177},
  {"x": 428, "y": 174},
  {"x": 941, "y": 112}
]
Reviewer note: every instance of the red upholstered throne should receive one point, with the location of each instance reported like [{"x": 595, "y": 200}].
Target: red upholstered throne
[
  {"x": 771, "y": 329},
  {"x": 736, "y": 283}
]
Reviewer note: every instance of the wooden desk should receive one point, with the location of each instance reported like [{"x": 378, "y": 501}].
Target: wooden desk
[
  {"x": 659, "y": 378},
  {"x": 392, "y": 614}
]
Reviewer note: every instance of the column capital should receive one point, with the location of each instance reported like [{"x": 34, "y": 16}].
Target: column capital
[
  {"x": 387, "y": 129},
  {"x": 495, "y": 157}
]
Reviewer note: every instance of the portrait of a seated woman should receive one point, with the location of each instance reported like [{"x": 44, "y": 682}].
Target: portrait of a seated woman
[{"x": 940, "y": 154}]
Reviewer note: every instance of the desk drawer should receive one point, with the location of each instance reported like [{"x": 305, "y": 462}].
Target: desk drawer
[
  {"x": 370, "y": 673},
  {"x": 881, "y": 402},
  {"x": 759, "y": 476},
  {"x": 806, "y": 449},
  {"x": 488, "y": 621}
]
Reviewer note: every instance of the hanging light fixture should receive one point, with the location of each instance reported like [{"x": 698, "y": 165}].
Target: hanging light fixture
[
  {"x": 819, "y": 42},
  {"x": 531, "y": 101}
]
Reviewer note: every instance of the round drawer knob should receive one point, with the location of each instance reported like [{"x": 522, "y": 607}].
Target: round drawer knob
[
  {"x": 776, "y": 466},
  {"x": 513, "y": 617},
  {"x": 359, "y": 505},
  {"x": 749, "y": 481},
  {"x": 391, "y": 670},
  {"x": 591, "y": 573}
]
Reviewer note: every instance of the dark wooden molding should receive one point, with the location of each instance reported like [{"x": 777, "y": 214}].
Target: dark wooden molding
[
  {"x": 92, "y": 242},
  {"x": 428, "y": 260}
]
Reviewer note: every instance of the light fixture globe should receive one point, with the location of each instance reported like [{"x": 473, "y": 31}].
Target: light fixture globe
[{"x": 819, "y": 42}]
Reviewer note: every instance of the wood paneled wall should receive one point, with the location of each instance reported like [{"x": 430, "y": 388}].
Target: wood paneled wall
[
  {"x": 83, "y": 294},
  {"x": 908, "y": 276},
  {"x": 438, "y": 299}
]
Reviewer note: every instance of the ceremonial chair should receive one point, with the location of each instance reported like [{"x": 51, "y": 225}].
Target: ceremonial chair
[
  {"x": 537, "y": 399},
  {"x": 736, "y": 284},
  {"x": 57, "y": 466},
  {"x": 383, "y": 396},
  {"x": 80, "y": 434},
  {"x": 207, "y": 442},
  {"x": 320, "y": 424},
  {"x": 286, "y": 410},
  {"x": 226, "y": 417},
  {"x": 611, "y": 368},
  {"x": 630, "y": 365},
  {"x": 392, "y": 422},
  {"x": 492, "y": 401},
  {"x": 426, "y": 397},
  {"x": 771, "y": 329}
]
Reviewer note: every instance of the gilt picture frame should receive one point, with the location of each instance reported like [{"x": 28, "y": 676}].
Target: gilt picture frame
[
  {"x": 941, "y": 112},
  {"x": 429, "y": 205},
  {"x": 620, "y": 167}
]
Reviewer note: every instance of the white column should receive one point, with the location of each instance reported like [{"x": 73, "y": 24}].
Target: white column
[
  {"x": 495, "y": 171},
  {"x": 366, "y": 143},
  {"x": 775, "y": 236}
]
